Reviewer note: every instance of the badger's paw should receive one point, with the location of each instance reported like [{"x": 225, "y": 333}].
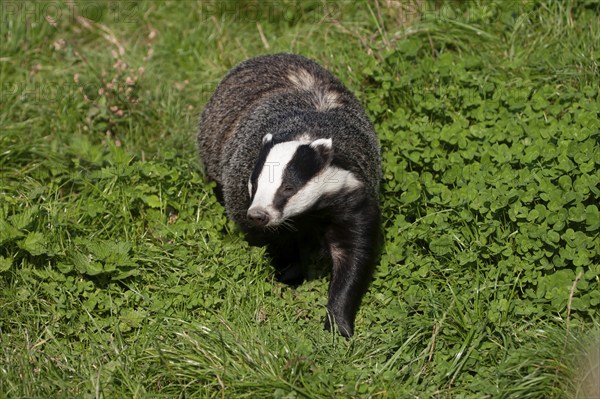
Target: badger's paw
[
  {"x": 344, "y": 328},
  {"x": 292, "y": 275}
]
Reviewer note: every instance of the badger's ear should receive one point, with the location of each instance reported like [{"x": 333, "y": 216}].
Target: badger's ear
[
  {"x": 267, "y": 138},
  {"x": 324, "y": 148}
]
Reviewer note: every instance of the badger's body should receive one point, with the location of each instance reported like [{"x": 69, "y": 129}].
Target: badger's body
[{"x": 297, "y": 163}]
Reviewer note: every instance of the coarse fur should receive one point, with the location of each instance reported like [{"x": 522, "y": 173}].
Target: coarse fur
[{"x": 297, "y": 166}]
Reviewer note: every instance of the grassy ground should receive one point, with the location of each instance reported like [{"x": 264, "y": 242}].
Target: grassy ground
[{"x": 120, "y": 275}]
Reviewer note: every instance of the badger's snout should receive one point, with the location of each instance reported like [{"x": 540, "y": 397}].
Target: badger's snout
[{"x": 258, "y": 216}]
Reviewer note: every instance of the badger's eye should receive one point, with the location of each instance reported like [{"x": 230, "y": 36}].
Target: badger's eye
[{"x": 287, "y": 189}]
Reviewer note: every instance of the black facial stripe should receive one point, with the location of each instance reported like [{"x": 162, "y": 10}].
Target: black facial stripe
[
  {"x": 260, "y": 163},
  {"x": 304, "y": 164},
  {"x": 281, "y": 199}
]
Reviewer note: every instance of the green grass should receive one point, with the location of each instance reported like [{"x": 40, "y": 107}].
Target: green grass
[{"x": 120, "y": 275}]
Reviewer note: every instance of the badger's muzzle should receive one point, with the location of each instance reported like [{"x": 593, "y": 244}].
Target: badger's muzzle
[{"x": 258, "y": 216}]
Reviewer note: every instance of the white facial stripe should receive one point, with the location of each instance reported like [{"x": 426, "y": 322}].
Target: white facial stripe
[
  {"x": 271, "y": 176},
  {"x": 331, "y": 180}
]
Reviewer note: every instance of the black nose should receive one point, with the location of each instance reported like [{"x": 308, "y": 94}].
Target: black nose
[{"x": 258, "y": 216}]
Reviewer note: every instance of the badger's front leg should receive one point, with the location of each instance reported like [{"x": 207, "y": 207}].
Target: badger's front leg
[
  {"x": 285, "y": 256},
  {"x": 353, "y": 242}
]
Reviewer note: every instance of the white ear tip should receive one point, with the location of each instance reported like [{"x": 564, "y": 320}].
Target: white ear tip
[
  {"x": 327, "y": 143},
  {"x": 268, "y": 137}
]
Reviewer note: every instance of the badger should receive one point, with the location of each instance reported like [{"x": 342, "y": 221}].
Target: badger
[{"x": 297, "y": 167}]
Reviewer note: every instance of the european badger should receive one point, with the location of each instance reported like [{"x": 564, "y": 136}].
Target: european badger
[{"x": 295, "y": 158}]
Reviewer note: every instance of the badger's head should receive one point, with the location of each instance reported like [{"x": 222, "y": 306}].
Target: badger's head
[{"x": 289, "y": 178}]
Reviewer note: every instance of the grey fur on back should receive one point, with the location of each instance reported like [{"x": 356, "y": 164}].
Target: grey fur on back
[{"x": 288, "y": 96}]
